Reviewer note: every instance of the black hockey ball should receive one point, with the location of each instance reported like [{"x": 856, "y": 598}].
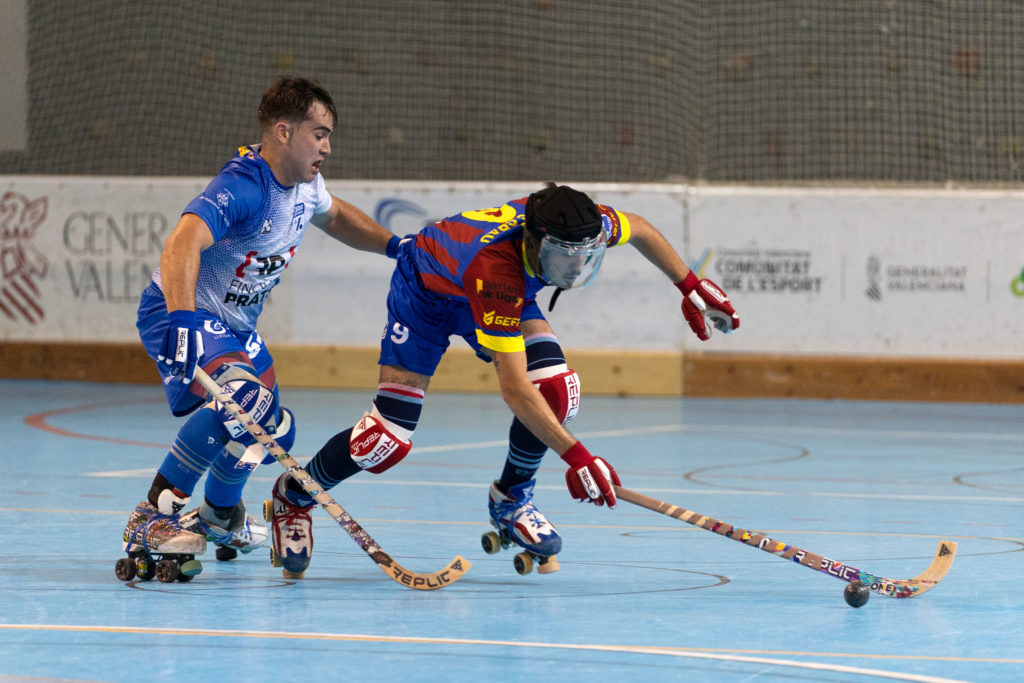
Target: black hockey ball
[{"x": 856, "y": 594}]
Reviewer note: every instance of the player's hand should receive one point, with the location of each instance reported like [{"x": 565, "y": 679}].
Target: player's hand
[
  {"x": 183, "y": 345},
  {"x": 705, "y": 301},
  {"x": 590, "y": 478}
]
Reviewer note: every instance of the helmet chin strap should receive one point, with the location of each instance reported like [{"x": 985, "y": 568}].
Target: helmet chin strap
[{"x": 554, "y": 298}]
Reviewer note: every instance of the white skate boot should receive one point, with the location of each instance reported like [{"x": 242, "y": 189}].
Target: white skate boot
[
  {"x": 157, "y": 545},
  {"x": 518, "y": 522},
  {"x": 233, "y": 533}
]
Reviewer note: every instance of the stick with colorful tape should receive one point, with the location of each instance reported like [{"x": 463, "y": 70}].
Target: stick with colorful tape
[
  {"x": 439, "y": 579},
  {"x": 893, "y": 588}
]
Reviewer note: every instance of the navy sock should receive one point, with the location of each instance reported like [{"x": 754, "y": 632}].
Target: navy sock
[{"x": 329, "y": 467}]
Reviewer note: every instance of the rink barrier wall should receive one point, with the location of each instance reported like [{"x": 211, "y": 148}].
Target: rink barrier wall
[{"x": 603, "y": 373}]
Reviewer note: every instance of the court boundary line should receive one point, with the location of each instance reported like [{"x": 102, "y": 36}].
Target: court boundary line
[{"x": 746, "y": 656}]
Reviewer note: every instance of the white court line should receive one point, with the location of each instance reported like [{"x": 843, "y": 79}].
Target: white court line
[
  {"x": 631, "y": 649},
  {"x": 150, "y": 471},
  {"x": 656, "y": 429}
]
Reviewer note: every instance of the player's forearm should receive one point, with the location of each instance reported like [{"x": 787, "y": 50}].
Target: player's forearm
[
  {"x": 533, "y": 411},
  {"x": 527, "y": 404},
  {"x": 357, "y": 230},
  {"x": 656, "y": 249}
]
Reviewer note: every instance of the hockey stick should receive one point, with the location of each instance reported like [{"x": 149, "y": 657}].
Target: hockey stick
[
  {"x": 893, "y": 588},
  {"x": 450, "y": 574}
]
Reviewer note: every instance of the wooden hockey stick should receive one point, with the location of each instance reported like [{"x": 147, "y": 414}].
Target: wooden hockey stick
[
  {"x": 893, "y": 588},
  {"x": 439, "y": 579}
]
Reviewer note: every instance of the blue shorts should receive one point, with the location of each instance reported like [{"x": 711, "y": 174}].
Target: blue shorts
[
  {"x": 218, "y": 340},
  {"x": 420, "y": 321}
]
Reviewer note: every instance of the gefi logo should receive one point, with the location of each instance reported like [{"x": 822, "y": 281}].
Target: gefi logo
[
  {"x": 1017, "y": 285},
  {"x": 22, "y": 266}
]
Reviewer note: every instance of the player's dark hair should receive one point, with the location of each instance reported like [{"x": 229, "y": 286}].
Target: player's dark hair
[
  {"x": 563, "y": 213},
  {"x": 290, "y": 98}
]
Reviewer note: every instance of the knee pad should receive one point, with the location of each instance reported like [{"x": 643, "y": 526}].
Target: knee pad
[
  {"x": 254, "y": 398},
  {"x": 560, "y": 388},
  {"x": 256, "y": 454},
  {"x": 374, "y": 444}
]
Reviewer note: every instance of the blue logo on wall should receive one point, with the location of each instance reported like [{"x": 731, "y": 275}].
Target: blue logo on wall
[{"x": 400, "y": 215}]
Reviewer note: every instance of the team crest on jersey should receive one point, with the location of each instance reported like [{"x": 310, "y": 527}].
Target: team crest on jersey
[{"x": 297, "y": 213}]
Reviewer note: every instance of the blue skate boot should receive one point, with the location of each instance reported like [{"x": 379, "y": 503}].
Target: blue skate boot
[
  {"x": 157, "y": 545},
  {"x": 518, "y": 522},
  {"x": 292, "y": 528},
  {"x": 231, "y": 530}
]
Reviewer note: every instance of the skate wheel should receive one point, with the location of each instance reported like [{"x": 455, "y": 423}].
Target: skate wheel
[
  {"x": 268, "y": 510},
  {"x": 189, "y": 568},
  {"x": 125, "y": 569},
  {"x": 224, "y": 553},
  {"x": 274, "y": 561},
  {"x": 146, "y": 568},
  {"x": 491, "y": 542},
  {"x": 548, "y": 565},
  {"x": 166, "y": 571},
  {"x": 523, "y": 563}
]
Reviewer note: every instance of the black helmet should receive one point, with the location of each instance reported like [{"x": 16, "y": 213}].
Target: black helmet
[{"x": 562, "y": 212}]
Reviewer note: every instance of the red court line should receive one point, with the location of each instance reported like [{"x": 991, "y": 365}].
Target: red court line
[{"x": 38, "y": 421}]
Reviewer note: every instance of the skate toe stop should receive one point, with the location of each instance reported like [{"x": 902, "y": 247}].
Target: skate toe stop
[
  {"x": 548, "y": 565},
  {"x": 292, "y": 575}
]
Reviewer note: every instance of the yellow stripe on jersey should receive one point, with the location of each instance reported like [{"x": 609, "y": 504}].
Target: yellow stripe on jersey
[
  {"x": 624, "y": 227},
  {"x": 501, "y": 344},
  {"x": 526, "y": 262}
]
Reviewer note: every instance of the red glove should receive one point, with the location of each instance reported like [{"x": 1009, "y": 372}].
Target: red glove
[
  {"x": 590, "y": 478},
  {"x": 703, "y": 298}
]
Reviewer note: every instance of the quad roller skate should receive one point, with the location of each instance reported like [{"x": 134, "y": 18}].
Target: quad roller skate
[
  {"x": 232, "y": 530},
  {"x": 158, "y": 546},
  {"x": 518, "y": 522},
  {"x": 292, "y": 529}
]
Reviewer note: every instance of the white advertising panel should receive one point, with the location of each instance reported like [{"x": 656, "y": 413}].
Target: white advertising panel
[
  {"x": 77, "y": 253},
  {"x": 901, "y": 273},
  {"x": 867, "y": 272}
]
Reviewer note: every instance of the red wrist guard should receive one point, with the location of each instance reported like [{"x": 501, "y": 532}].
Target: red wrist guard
[
  {"x": 577, "y": 455},
  {"x": 688, "y": 283}
]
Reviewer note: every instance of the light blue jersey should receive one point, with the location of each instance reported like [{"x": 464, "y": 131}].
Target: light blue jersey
[{"x": 257, "y": 226}]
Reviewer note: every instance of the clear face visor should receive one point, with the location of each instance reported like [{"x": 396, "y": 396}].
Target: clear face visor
[{"x": 571, "y": 265}]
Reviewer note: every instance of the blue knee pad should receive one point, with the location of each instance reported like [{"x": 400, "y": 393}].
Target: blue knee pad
[
  {"x": 284, "y": 433},
  {"x": 252, "y": 396}
]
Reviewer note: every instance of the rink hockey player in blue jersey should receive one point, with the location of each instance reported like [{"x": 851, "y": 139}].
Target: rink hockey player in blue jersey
[
  {"x": 219, "y": 264},
  {"x": 476, "y": 275}
]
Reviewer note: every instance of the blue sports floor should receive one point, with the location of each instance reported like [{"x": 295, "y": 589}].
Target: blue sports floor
[{"x": 640, "y": 596}]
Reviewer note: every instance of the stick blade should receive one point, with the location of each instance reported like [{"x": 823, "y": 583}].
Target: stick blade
[
  {"x": 427, "y": 582},
  {"x": 936, "y": 571}
]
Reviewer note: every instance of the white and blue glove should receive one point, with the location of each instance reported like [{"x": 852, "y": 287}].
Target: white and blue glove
[{"x": 183, "y": 345}]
